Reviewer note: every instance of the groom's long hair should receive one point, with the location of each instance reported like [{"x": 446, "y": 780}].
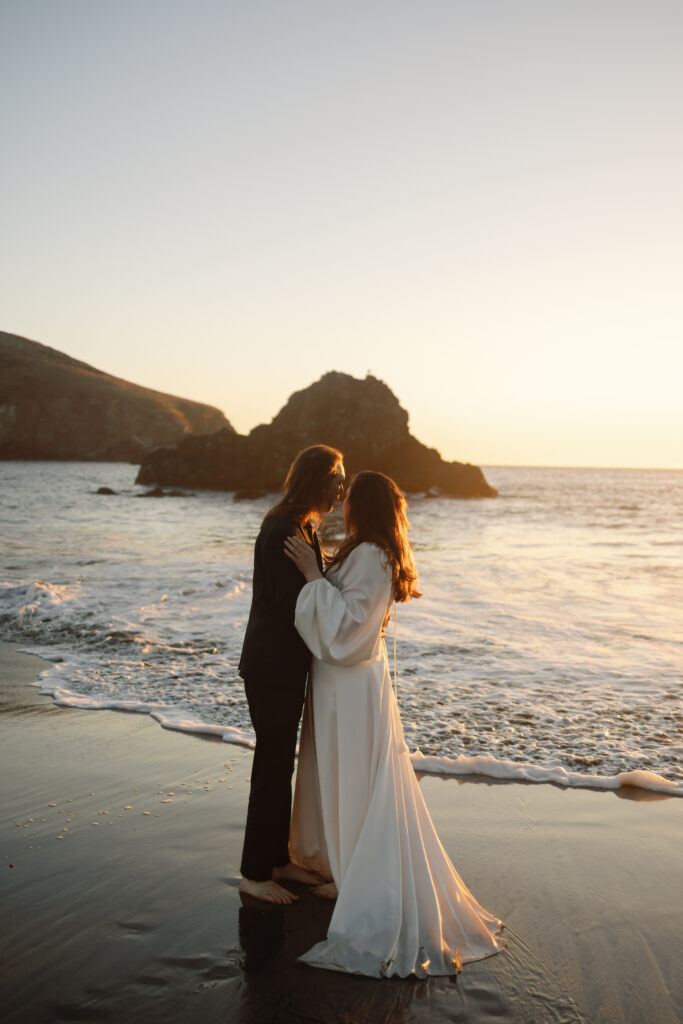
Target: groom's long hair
[
  {"x": 377, "y": 513},
  {"x": 306, "y": 481}
]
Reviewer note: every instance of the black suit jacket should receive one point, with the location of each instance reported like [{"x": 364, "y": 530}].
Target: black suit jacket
[{"x": 273, "y": 653}]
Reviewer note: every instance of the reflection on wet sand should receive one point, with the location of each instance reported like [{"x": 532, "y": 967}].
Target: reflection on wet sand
[{"x": 518, "y": 986}]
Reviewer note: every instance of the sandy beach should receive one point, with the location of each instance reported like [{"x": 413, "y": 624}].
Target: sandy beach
[{"x": 120, "y": 849}]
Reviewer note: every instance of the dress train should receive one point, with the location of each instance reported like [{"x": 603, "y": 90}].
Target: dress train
[{"x": 359, "y": 816}]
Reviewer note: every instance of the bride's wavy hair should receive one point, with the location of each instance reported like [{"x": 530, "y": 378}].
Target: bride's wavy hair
[
  {"x": 377, "y": 514},
  {"x": 306, "y": 481}
]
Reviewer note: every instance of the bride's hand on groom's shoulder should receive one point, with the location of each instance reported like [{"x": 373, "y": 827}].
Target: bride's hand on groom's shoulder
[{"x": 303, "y": 556}]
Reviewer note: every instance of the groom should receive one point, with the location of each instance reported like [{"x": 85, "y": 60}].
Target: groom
[{"x": 274, "y": 666}]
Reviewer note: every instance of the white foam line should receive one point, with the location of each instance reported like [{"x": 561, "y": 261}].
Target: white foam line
[
  {"x": 174, "y": 718},
  {"x": 167, "y": 716},
  {"x": 228, "y": 733},
  {"x": 493, "y": 768}
]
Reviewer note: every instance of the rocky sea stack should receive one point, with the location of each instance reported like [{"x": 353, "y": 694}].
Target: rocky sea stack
[
  {"x": 55, "y": 407},
  {"x": 363, "y": 418}
]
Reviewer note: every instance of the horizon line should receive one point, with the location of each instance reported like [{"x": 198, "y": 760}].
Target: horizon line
[{"x": 544, "y": 465}]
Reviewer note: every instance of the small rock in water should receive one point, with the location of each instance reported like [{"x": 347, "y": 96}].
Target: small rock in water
[
  {"x": 159, "y": 492},
  {"x": 105, "y": 490}
]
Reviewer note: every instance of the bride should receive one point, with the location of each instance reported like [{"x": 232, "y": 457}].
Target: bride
[{"x": 359, "y": 817}]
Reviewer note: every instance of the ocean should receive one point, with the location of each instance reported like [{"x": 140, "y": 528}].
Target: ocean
[{"x": 547, "y": 646}]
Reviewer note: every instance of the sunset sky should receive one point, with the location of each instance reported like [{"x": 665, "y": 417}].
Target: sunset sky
[{"x": 479, "y": 202}]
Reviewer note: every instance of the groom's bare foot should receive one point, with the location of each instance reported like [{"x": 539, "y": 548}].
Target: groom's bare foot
[
  {"x": 328, "y": 891},
  {"x": 268, "y": 891},
  {"x": 293, "y": 873}
]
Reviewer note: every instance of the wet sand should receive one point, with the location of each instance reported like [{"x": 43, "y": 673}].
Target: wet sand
[{"x": 119, "y": 854}]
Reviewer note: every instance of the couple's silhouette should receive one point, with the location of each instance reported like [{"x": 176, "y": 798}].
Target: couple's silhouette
[{"x": 359, "y": 831}]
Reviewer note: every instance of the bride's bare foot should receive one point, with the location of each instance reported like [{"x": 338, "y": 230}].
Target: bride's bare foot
[
  {"x": 293, "y": 873},
  {"x": 328, "y": 891},
  {"x": 269, "y": 891}
]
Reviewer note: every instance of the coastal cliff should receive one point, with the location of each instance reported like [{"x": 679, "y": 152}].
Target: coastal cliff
[
  {"x": 362, "y": 418},
  {"x": 55, "y": 407}
]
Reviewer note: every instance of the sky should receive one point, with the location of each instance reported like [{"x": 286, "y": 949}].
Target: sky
[{"x": 479, "y": 202}]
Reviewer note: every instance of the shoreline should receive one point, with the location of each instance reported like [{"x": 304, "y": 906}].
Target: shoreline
[
  {"x": 498, "y": 661},
  {"x": 122, "y": 901},
  {"x": 631, "y": 784}
]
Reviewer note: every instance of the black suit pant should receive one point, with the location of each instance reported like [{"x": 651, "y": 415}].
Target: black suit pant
[{"x": 275, "y": 714}]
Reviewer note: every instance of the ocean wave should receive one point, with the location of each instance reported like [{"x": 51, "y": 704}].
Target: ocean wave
[
  {"x": 175, "y": 718},
  {"x": 179, "y": 718},
  {"x": 37, "y": 599},
  {"x": 513, "y": 771},
  {"x": 535, "y": 653}
]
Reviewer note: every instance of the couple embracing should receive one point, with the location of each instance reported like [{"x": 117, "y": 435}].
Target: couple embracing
[{"x": 359, "y": 830}]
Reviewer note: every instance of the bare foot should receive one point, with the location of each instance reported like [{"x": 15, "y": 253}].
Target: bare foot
[
  {"x": 269, "y": 891},
  {"x": 293, "y": 873},
  {"x": 328, "y": 891}
]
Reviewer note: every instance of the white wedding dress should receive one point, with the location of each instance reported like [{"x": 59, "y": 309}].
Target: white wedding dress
[{"x": 359, "y": 816}]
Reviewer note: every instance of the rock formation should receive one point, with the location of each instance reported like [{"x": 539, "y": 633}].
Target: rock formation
[
  {"x": 55, "y": 407},
  {"x": 363, "y": 418}
]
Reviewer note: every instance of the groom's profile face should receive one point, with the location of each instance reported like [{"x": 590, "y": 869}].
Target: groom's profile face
[{"x": 334, "y": 489}]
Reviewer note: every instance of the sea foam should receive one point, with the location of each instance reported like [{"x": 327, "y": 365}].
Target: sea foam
[
  {"x": 513, "y": 771},
  {"x": 545, "y": 648}
]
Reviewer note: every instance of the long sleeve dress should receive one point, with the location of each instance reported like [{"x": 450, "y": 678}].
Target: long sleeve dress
[{"x": 359, "y": 817}]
